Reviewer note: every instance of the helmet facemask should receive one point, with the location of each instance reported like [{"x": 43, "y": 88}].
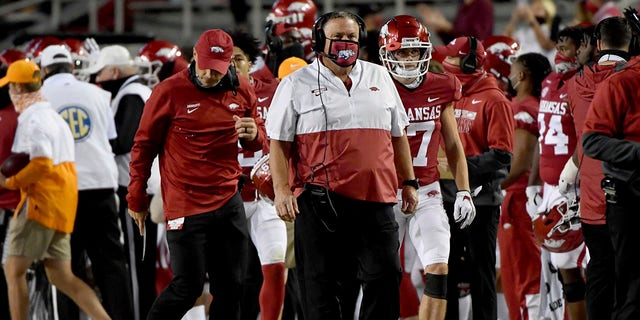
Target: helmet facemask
[{"x": 406, "y": 68}]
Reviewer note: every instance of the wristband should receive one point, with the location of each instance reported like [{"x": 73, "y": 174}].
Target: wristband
[{"x": 412, "y": 183}]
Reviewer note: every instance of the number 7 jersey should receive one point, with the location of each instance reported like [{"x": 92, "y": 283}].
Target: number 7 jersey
[
  {"x": 557, "y": 139},
  {"x": 424, "y": 105}
]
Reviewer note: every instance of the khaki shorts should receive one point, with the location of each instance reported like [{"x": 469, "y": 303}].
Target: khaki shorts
[{"x": 28, "y": 238}]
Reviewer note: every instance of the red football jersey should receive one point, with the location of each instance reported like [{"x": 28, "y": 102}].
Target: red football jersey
[
  {"x": 581, "y": 89},
  {"x": 557, "y": 135},
  {"x": 423, "y": 106},
  {"x": 264, "y": 90},
  {"x": 525, "y": 113}
]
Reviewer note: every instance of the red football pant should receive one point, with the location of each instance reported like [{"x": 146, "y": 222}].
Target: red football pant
[{"x": 519, "y": 254}]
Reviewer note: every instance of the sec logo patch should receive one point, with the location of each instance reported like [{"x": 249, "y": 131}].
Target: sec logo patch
[{"x": 78, "y": 120}]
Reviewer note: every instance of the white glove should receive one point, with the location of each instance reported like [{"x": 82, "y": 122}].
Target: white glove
[
  {"x": 533, "y": 200},
  {"x": 568, "y": 177},
  {"x": 463, "y": 208},
  {"x": 93, "y": 50}
]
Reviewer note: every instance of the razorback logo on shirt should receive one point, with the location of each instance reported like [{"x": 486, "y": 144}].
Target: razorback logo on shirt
[{"x": 524, "y": 117}]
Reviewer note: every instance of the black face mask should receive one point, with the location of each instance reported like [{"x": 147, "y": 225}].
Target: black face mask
[
  {"x": 276, "y": 58},
  {"x": 512, "y": 91},
  {"x": 228, "y": 82},
  {"x": 541, "y": 20},
  {"x": 113, "y": 86}
]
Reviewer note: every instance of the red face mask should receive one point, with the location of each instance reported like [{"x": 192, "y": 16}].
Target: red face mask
[
  {"x": 564, "y": 63},
  {"x": 343, "y": 52}
]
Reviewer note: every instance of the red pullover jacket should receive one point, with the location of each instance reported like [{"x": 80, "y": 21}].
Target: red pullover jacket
[
  {"x": 581, "y": 89},
  {"x": 194, "y": 133}
]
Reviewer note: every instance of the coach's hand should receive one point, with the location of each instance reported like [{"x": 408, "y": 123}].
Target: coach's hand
[
  {"x": 286, "y": 204},
  {"x": 139, "y": 218},
  {"x": 409, "y": 199},
  {"x": 246, "y": 127}
]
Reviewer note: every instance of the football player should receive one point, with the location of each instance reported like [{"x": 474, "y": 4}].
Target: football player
[
  {"x": 557, "y": 142},
  {"x": 405, "y": 50},
  {"x": 520, "y": 258}
]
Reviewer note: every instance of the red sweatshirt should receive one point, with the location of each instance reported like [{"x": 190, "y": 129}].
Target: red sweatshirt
[
  {"x": 194, "y": 133},
  {"x": 581, "y": 89},
  {"x": 9, "y": 199}
]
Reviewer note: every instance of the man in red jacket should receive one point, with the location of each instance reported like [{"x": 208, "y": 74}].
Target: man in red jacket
[
  {"x": 485, "y": 125},
  {"x": 611, "y": 134},
  {"x": 194, "y": 120},
  {"x": 613, "y": 37}
]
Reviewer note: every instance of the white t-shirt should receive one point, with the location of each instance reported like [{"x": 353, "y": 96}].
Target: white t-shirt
[{"x": 86, "y": 110}]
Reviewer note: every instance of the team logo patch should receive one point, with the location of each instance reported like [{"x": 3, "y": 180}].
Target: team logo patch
[
  {"x": 374, "y": 89},
  {"x": 346, "y": 54},
  {"x": 166, "y": 52},
  {"x": 433, "y": 193},
  {"x": 175, "y": 224},
  {"x": 317, "y": 92},
  {"x": 78, "y": 120},
  {"x": 233, "y": 106},
  {"x": 216, "y": 49},
  {"x": 192, "y": 107},
  {"x": 524, "y": 117}
]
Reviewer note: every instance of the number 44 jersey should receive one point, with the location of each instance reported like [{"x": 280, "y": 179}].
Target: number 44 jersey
[
  {"x": 557, "y": 139},
  {"x": 423, "y": 105}
]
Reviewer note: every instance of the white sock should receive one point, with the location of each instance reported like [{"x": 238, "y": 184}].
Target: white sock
[{"x": 503, "y": 311}]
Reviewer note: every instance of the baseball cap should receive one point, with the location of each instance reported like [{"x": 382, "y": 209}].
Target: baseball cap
[
  {"x": 55, "y": 54},
  {"x": 214, "y": 49},
  {"x": 289, "y": 65},
  {"x": 459, "y": 47},
  {"x": 115, "y": 55},
  {"x": 21, "y": 71}
]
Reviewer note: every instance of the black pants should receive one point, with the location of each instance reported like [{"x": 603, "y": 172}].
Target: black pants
[
  {"x": 142, "y": 272},
  {"x": 600, "y": 271},
  {"x": 216, "y": 243},
  {"x": 251, "y": 285},
  {"x": 336, "y": 254},
  {"x": 96, "y": 235},
  {"x": 473, "y": 259},
  {"x": 623, "y": 219}
]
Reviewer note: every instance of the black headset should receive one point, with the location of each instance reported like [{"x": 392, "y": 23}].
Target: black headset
[
  {"x": 318, "y": 38},
  {"x": 469, "y": 63},
  {"x": 597, "y": 33}
]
